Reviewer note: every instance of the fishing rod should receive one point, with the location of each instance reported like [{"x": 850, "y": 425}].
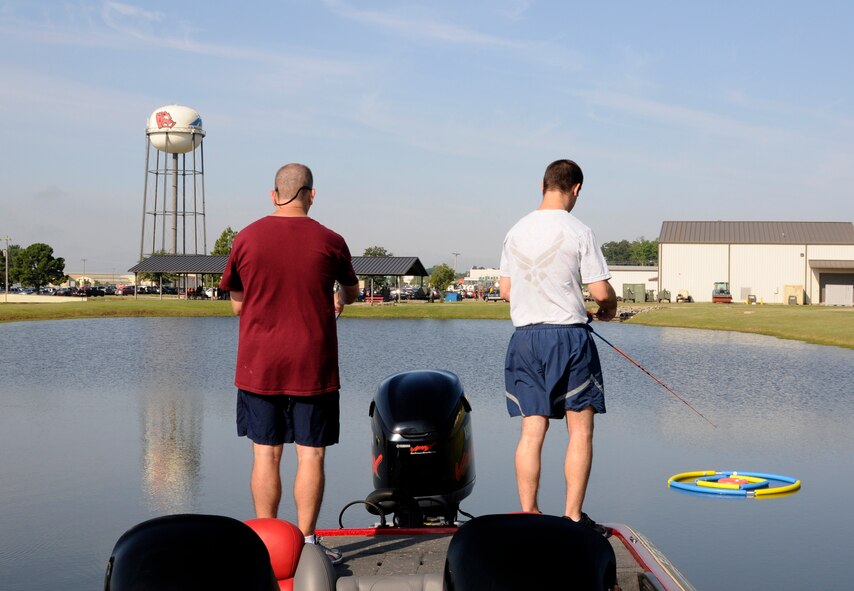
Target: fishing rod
[{"x": 652, "y": 376}]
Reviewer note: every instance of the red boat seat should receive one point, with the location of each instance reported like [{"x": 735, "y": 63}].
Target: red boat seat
[
  {"x": 297, "y": 566},
  {"x": 284, "y": 542}
]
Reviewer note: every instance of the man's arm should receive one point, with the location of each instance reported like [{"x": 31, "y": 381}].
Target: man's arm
[
  {"x": 604, "y": 294},
  {"x": 504, "y": 288},
  {"x": 347, "y": 294},
  {"x": 236, "y": 302}
]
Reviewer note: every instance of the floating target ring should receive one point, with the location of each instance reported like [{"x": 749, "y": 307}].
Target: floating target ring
[{"x": 745, "y": 484}]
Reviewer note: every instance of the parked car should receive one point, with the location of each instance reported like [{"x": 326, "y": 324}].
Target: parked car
[
  {"x": 90, "y": 291},
  {"x": 494, "y": 296},
  {"x": 127, "y": 290}
]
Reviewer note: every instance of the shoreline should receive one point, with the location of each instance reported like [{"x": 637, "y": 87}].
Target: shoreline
[{"x": 821, "y": 325}]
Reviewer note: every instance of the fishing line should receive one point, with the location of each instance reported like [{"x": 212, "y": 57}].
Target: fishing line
[{"x": 652, "y": 376}]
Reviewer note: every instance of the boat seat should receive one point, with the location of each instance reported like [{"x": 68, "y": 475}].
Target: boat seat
[
  {"x": 425, "y": 582},
  {"x": 297, "y": 566},
  {"x": 528, "y": 551},
  {"x": 189, "y": 551}
]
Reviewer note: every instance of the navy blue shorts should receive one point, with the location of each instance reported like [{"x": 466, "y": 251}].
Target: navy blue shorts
[
  {"x": 552, "y": 368},
  {"x": 275, "y": 419}
]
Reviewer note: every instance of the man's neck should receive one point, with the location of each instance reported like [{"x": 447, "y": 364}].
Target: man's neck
[
  {"x": 557, "y": 200},
  {"x": 290, "y": 212}
]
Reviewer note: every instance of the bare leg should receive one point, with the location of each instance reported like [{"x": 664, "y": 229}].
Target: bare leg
[
  {"x": 308, "y": 486},
  {"x": 579, "y": 458},
  {"x": 528, "y": 459},
  {"x": 265, "y": 482}
]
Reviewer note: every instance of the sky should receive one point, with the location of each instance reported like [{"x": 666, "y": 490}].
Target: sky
[{"x": 427, "y": 125}]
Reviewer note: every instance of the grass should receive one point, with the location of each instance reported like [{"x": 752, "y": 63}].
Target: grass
[
  {"x": 822, "y": 325},
  {"x": 112, "y": 307},
  {"x": 813, "y": 324}
]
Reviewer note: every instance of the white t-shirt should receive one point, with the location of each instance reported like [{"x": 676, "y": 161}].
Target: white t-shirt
[{"x": 547, "y": 255}]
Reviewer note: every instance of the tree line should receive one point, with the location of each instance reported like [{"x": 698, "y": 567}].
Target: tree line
[
  {"x": 640, "y": 252},
  {"x": 36, "y": 267}
]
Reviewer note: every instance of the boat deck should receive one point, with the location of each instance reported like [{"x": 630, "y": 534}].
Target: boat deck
[{"x": 389, "y": 554}]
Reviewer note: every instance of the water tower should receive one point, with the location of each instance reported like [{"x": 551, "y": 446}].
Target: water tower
[{"x": 173, "y": 203}]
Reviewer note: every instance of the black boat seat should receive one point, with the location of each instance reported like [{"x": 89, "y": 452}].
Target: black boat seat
[
  {"x": 425, "y": 582},
  {"x": 528, "y": 551},
  {"x": 188, "y": 552}
]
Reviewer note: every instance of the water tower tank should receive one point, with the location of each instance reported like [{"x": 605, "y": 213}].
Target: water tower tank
[{"x": 175, "y": 129}]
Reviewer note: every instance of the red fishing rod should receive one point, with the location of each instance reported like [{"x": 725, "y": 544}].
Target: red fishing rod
[{"x": 685, "y": 402}]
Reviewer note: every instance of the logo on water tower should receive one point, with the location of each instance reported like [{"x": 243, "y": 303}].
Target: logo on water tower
[{"x": 164, "y": 119}]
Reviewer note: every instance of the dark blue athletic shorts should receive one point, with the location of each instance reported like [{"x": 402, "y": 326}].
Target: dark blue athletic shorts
[
  {"x": 552, "y": 368},
  {"x": 275, "y": 419}
]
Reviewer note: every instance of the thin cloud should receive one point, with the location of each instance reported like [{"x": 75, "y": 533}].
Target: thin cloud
[
  {"x": 677, "y": 116},
  {"x": 423, "y": 28},
  {"x": 125, "y": 26}
]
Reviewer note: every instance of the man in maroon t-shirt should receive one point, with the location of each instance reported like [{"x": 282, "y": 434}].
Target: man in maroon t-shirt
[{"x": 281, "y": 275}]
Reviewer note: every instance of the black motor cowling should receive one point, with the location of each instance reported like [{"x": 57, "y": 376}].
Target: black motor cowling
[{"x": 423, "y": 459}]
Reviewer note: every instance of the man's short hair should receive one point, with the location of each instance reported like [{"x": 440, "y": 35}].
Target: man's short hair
[
  {"x": 291, "y": 177},
  {"x": 562, "y": 175}
]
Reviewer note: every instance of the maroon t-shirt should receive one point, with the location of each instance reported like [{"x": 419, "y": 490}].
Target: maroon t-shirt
[{"x": 286, "y": 268}]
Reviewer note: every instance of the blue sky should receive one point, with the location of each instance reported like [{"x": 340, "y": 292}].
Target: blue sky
[{"x": 427, "y": 124}]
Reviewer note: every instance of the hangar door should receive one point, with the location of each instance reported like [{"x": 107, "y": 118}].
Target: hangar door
[{"x": 837, "y": 289}]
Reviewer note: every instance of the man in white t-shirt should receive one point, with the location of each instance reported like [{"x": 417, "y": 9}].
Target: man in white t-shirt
[{"x": 552, "y": 367}]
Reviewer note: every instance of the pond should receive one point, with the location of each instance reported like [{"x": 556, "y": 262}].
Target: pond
[{"x": 106, "y": 423}]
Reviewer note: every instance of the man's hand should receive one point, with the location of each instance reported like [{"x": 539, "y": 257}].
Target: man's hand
[
  {"x": 604, "y": 294},
  {"x": 606, "y": 314}
]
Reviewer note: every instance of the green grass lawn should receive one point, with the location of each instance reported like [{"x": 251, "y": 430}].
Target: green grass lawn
[{"x": 813, "y": 324}]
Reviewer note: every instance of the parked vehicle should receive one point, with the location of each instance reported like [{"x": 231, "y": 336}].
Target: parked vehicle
[
  {"x": 720, "y": 293},
  {"x": 90, "y": 291}
]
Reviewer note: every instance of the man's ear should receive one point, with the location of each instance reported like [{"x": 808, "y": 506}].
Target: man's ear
[{"x": 274, "y": 196}]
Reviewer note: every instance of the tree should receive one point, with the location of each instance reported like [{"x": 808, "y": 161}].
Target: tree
[
  {"x": 224, "y": 242},
  {"x": 617, "y": 253},
  {"x": 638, "y": 252},
  {"x": 36, "y": 267},
  {"x": 442, "y": 277},
  {"x": 377, "y": 281},
  {"x": 645, "y": 252},
  {"x": 14, "y": 251},
  {"x": 376, "y": 251}
]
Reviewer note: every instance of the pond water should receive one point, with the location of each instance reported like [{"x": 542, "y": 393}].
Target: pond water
[{"x": 106, "y": 423}]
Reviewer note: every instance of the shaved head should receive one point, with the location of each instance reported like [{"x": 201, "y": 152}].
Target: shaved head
[{"x": 291, "y": 177}]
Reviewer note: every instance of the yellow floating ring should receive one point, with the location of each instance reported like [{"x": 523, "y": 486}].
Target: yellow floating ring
[{"x": 756, "y": 484}]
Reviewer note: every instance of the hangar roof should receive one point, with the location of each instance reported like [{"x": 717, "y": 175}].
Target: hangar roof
[{"x": 757, "y": 232}]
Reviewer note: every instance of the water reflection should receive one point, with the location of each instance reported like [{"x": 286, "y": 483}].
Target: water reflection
[
  {"x": 171, "y": 401},
  {"x": 171, "y": 450}
]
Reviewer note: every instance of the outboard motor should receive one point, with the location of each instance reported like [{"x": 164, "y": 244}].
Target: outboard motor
[{"x": 423, "y": 460}]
